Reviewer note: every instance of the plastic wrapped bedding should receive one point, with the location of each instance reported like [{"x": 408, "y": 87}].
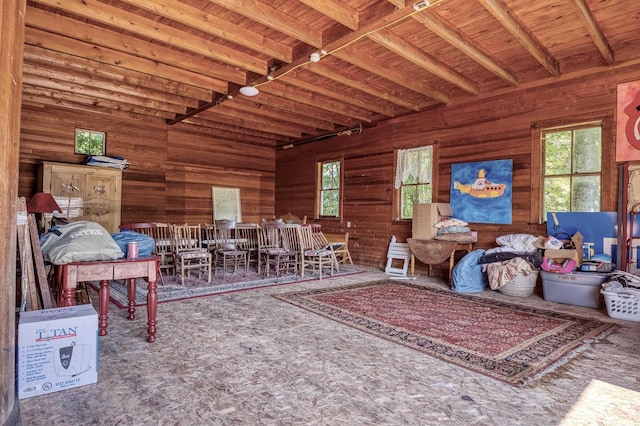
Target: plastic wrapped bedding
[{"x": 468, "y": 276}]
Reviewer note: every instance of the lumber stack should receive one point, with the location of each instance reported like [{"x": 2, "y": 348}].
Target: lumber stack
[{"x": 35, "y": 291}]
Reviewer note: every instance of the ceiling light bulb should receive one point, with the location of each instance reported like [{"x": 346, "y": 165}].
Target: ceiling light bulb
[
  {"x": 314, "y": 57},
  {"x": 249, "y": 91}
]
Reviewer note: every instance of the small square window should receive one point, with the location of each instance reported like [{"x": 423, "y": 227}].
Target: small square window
[{"x": 90, "y": 142}]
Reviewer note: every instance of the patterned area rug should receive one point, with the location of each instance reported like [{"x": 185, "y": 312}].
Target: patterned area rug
[
  {"x": 508, "y": 342},
  {"x": 173, "y": 290}
]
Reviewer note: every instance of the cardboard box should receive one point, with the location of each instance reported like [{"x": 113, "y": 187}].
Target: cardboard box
[
  {"x": 576, "y": 288},
  {"x": 576, "y": 254},
  {"x": 425, "y": 215},
  {"x": 57, "y": 349}
]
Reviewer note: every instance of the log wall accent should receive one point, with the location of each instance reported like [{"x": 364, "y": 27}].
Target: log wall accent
[
  {"x": 172, "y": 167},
  {"x": 11, "y": 47},
  {"x": 491, "y": 128}
]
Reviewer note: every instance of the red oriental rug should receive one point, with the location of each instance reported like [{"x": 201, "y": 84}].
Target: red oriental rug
[{"x": 508, "y": 342}]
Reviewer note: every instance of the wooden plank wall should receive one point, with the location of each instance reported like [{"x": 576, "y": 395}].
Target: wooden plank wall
[
  {"x": 492, "y": 128},
  {"x": 172, "y": 167}
]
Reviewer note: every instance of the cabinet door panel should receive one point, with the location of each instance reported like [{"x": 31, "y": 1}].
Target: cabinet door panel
[{"x": 100, "y": 203}]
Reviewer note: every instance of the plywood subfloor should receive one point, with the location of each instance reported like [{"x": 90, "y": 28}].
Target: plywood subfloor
[{"x": 248, "y": 359}]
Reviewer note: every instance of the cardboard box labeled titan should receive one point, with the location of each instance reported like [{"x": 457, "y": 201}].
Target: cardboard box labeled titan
[
  {"x": 57, "y": 349},
  {"x": 425, "y": 215}
]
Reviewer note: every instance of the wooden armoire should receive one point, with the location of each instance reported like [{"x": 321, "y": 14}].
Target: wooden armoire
[{"x": 84, "y": 192}]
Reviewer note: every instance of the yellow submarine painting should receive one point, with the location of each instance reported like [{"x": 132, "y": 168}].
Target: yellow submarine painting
[
  {"x": 481, "y": 191},
  {"x": 481, "y": 188}
]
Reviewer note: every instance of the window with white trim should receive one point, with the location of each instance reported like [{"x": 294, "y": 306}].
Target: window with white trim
[
  {"x": 413, "y": 180},
  {"x": 329, "y": 191}
]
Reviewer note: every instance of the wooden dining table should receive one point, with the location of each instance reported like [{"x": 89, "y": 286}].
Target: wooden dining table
[{"x": 104, "y": 271}]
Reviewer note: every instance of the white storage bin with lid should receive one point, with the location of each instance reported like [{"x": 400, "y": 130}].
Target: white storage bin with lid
[{"x": 576, "y": 288}]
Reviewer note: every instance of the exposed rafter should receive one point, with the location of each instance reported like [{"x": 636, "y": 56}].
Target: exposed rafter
[
  {"x": 184, "y": 61},
  {"x": 595, "y": 31},
  {"x": 501, "y": 12}
]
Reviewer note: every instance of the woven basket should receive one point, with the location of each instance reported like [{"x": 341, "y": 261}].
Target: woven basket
[{"x": 522, "y": 285}]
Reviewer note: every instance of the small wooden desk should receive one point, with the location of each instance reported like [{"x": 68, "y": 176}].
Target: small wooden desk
[{"x": 105, "y": 271}]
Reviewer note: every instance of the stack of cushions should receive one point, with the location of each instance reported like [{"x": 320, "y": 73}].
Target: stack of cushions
[{"x": 454, "y": 230}]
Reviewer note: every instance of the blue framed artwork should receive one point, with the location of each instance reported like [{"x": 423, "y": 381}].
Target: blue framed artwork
[{"x": 481, "y": 192}]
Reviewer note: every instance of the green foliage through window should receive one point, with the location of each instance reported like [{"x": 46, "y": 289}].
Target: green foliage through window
[
  {"x": 330, "y": 189},
  {"x": 413, "y": 175},
  {"x": 90, "y": 142},
  {"x": 572, "y": 169}
]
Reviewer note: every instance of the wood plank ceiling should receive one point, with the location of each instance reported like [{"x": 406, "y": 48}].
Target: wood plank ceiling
[{"x": 185, "y": 60}]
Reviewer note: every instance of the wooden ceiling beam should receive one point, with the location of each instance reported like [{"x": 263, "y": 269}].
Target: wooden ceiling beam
[
  {"x": 378, "y": 67},
  {"x": 360, "y": 85},
  {"x": 336, "y": 10},
  {"x": 312, "y": 99},
  {"x": 236, "y": 118},
  {"x": 273, "y": 18},
  {"x": 134, "y": 47},
  {"x": 50, "y": 58},
  {"x": 98, "y": 93},
  {"x": 88, "y": 79},
  {"x": 250, "y": 107},
  {"x": 594, "y": 30},
  {"x": 240, "y": 110},
  {"x": 410, "y": 52},
  {"x": 231, "y": 132},
  {"x": 118, "y": 18},
  {"x": 466, "y": 46},
  {"x": 211, "y": 129},
  {"x": 293, "y": 107},
  {"x": 383, "y": 22},
  {"x": 511, "y": 23},
  {"x": 218, "y": 27},
  {"x": 339, "y": 95},
  {"x": 90, "y": 104},
  {"x": 73, "y": 47}
]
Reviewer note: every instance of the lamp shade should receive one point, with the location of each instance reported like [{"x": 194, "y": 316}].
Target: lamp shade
[{"x": 42, "y": 202}]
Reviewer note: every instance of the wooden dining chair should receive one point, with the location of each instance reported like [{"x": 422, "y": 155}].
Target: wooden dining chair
[
  {"x": 340, "y": 244},
  {"x": 278, "y": 248},
  {"x": 227, "y": 252},
  {"x": 317, "y": 254},
  {"x": 247, "y": 240},
  {"x": 161, "y": 246},
  {"x": 188, "y": 253}
]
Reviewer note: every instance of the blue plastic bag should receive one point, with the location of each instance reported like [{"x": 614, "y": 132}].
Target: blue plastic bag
[
  {"x": 146, "y": 244},
  {"x": 468, "y": 276}
]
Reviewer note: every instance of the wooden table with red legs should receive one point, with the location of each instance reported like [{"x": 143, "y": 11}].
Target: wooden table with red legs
[{"x": 105, "y": 271}]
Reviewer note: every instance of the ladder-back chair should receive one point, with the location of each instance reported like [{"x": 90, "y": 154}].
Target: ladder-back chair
[
  {"x": 317, "y": 254},
  {"x": 188, "y": 253},
  {"x": 228, "y": 253}
]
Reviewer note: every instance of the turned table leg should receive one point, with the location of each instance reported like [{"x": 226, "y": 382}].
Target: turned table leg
[
  {"x": 104, "y": 308},
  {"x": 152, "y": 309},
  {"x": 131, "y": 293}
]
